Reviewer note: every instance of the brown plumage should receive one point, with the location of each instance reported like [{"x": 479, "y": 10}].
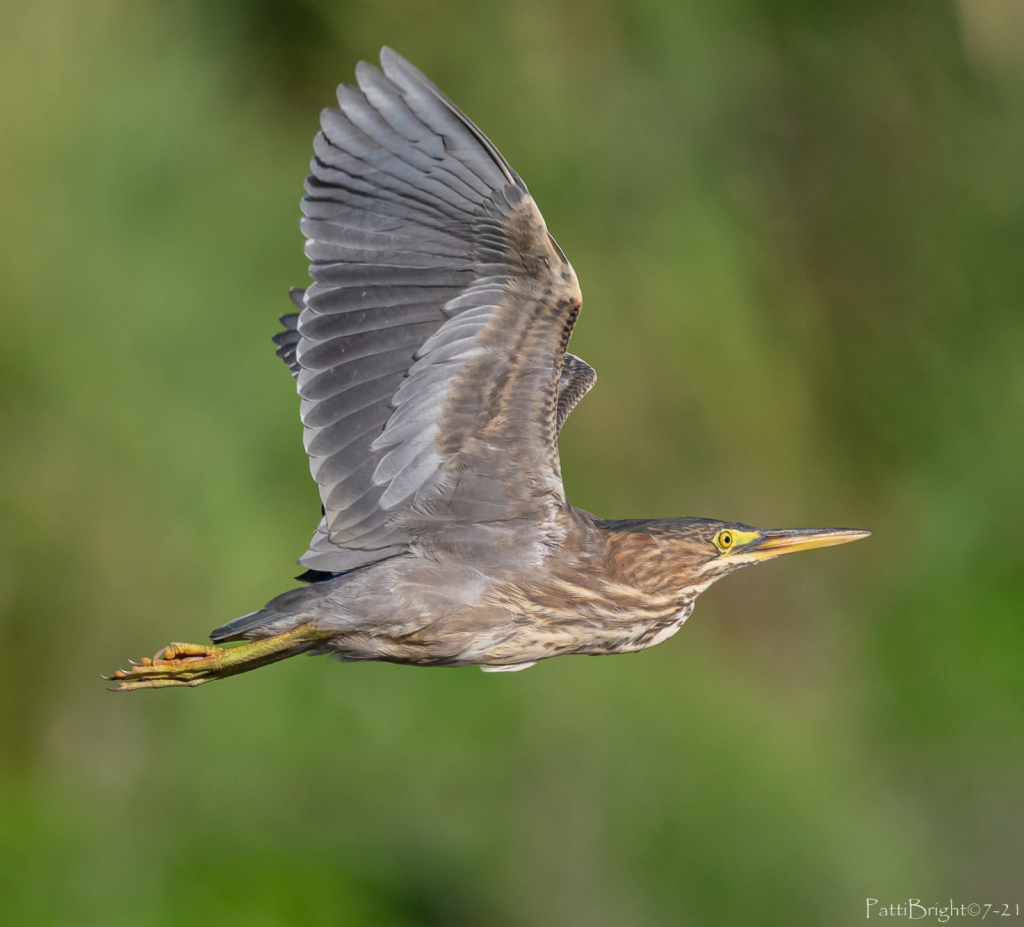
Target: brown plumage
[{"x": 430, "y": 355}]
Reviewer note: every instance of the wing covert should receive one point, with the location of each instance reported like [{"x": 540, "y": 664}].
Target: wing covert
[{"x": 576, "y": 380}]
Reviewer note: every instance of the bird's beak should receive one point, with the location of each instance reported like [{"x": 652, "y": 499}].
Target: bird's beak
[{"x": 789, "y": 540}]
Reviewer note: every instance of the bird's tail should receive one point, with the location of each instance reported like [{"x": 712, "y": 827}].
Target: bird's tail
[
  {"x": 283, "y": 612},
  {"x": 236, "y": 628}
]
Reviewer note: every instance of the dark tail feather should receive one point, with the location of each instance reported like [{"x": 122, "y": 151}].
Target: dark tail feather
[
  {"x": 296, "y": 604},
  {"x": 236, "y": 627},
  {"x": 319, "y": 576}
]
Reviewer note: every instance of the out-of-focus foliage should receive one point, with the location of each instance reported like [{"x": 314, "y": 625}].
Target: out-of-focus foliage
[{"x": 799, "y": 228}]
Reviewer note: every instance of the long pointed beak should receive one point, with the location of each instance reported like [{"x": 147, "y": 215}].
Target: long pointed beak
[{"x": 790, "y": 540}]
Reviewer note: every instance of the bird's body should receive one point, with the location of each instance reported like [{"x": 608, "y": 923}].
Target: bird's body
[
  {"x": 430, "y": 355},
  {"x": 500, "y": 605}
]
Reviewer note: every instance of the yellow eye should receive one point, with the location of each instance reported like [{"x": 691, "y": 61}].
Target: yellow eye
[{"x": 724, "y": 540}]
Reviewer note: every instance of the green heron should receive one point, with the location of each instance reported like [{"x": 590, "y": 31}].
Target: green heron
[{"x": 430, "y": 358}]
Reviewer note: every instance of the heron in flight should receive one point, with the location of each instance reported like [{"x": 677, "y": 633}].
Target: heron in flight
[{"x": 430, "y": 358}]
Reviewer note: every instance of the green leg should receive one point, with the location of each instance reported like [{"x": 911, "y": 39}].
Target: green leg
[{"x": 194, "y": 664}]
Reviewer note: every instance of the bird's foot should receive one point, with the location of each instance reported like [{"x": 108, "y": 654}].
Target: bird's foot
[
  {"x": 193, "y": 664},
  {"x": 175, "y": 665}
]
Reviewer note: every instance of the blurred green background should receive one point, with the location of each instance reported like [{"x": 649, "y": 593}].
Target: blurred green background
[{"x": 799, "y": 228}]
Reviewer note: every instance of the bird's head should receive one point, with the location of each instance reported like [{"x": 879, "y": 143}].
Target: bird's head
[
  {"x": 691, "y": 553},
  {"x": 708, "y": 550}
]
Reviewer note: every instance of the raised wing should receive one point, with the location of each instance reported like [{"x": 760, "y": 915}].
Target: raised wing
[{"x": 431, "y": 342}]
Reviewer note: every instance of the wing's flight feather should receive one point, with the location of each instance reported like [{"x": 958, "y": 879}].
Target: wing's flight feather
[
  {"x": 287, "y": 342},
  {"x": 429, "y": 348}
]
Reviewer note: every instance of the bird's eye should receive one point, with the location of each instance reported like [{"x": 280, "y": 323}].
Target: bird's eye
[{"x": 724, "y": 540}]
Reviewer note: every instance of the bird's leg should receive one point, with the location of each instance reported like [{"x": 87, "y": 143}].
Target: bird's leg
[{"x": 194, "y": 664}]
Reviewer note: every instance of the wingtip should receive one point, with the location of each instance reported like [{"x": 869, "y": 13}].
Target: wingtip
[
  {"x": 390, "y": 59},
  {"x": 394, "y": 65}
]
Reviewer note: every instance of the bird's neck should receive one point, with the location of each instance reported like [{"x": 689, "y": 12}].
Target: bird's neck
[{"x": 640, "y": 555}]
